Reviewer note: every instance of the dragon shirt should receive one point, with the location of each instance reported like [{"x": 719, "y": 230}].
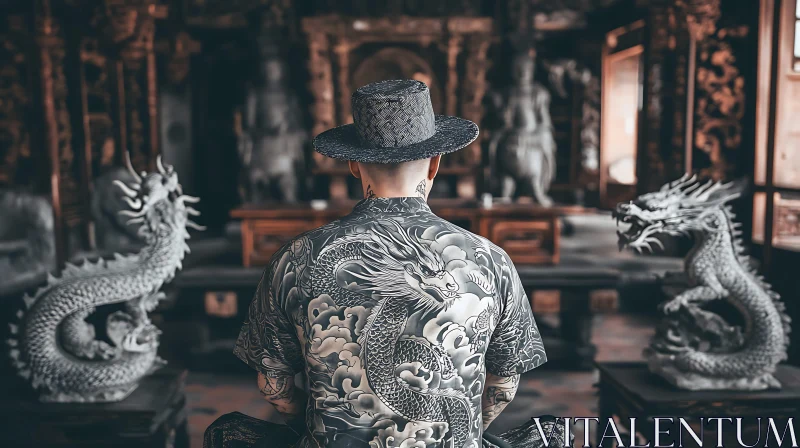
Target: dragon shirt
[{"x": 394, "y": 316}]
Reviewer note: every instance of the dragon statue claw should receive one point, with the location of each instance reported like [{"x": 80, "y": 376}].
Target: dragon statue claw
[
  {"x": 695, "y": 348},
  {"x": 55, "y": 348}
]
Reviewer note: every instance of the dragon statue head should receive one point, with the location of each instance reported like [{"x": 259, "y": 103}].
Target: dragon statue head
[
  {"x": 156, "y": 199},
  {"x": 678, "y": 208}
]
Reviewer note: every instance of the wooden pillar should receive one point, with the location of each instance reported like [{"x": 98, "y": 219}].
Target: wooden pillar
[
  {"x": 321, "y": 86},
  {"x": 46, "y": 39},
  {"x": 342, "y": 52},
  {"x": 152, "y": 107},
  {"x": 451, "y": 86}
]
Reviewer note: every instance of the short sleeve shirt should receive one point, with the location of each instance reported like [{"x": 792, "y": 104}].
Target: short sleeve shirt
[{"x": 395, "y": 316}]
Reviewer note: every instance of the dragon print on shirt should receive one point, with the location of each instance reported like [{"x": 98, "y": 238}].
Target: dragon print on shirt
[{"x": 395, "y": 316}]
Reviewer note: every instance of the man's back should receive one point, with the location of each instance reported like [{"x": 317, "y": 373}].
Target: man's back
[{"x": 395, "y": 316}]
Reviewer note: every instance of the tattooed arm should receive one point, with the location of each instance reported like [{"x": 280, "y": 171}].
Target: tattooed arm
[
  {"x": 278, "y": 388},
  {"x": 497, "y": 393}
]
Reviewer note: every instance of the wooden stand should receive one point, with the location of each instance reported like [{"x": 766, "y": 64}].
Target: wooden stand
[
  {"x": 528, "y": 233},
  {"x": 630, "y": 390},
  {"x": 154, "y": 415}
]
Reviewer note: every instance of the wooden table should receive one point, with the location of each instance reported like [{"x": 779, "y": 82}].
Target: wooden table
[
  {"x": 154, "y": 415},
  {"x": 530, "y": 234},
  {"x": 576, "y": 294},
  {"x": 629, "y": 390}
]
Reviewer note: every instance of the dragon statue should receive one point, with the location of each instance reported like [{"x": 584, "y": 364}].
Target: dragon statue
[
  {"x": 382, "y": 270},
  {"x": 52, "y": 345},
  {"x": 696, "y": 348}
]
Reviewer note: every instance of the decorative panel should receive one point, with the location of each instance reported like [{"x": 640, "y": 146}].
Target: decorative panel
[
  {"x": 97, "y": 105},
  {"x": 17, "y": 165},
  {"x": 720, "y": 103},
  {"x": 786, "y": 230}
]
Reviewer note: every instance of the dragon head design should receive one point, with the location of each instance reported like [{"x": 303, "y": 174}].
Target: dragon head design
[
  {"x": 678, "y": 208},
  {"x": 157, "y": 199},
  {"x": 396, "y": 260}
]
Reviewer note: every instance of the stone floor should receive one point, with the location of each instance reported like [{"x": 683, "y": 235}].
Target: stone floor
[{"x": 546, "y": 391}]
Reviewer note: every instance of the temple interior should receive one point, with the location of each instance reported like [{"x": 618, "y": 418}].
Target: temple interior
[{"x": 689, "y": 101}]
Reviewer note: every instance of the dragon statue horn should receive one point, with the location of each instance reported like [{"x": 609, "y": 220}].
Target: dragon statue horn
[
  {"x": 130, "y": 192},
  {"x": 129, "y": 166}
]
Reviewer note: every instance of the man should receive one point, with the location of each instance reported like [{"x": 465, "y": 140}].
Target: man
[{"x": 410, "y": 330}]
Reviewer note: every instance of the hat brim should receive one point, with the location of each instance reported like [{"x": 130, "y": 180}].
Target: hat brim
[{"x": 343, "y": 142}]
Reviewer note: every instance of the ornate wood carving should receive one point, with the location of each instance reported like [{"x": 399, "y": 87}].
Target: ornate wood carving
[
  {"x": 16, "y": 160},
  {"x": 178, "y": 50},
  {"x": 701, "y": 16},
  {"x": 130, "y": 26},
  {"x": 98, "y": 133},
  {"x": 720, "y": 104},
  {"x": 474, "y": 90},
  {"x": 660, "y": 151}
]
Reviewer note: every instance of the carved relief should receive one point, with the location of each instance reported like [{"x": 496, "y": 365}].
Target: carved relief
[
  {"x": 701, "y": 16},
  {"x": 97, "y": 104},
  {"x": 178, "y": 50},
  {"x": 234, "y": 13},
  {"x": 720, "y": 104},
  {"x": 131, "y": 24},
  {"x": 130, "y": 27},
  {"x": 15, "y": 108},
  {"x": 473, "y": 92},
  {"x": 660, "y": 82}
]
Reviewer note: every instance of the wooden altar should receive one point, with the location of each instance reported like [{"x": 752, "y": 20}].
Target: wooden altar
[{"x": 529, "y": 234}]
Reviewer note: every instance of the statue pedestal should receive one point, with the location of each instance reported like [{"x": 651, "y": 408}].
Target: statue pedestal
[
  {"x": 630, "y": 390},
  {"x": 530, "y": 234},
  {"x": 153, "y": 415}
]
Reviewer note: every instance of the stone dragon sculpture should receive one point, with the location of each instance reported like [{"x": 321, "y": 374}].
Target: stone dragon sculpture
[
  {"x": 696, "y": 348},
  {"x": 55, "y": 349},
  {"x": 383, "y": 270}
]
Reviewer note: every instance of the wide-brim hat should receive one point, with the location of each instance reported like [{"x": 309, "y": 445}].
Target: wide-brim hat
[{"x": 393, "y": 122}]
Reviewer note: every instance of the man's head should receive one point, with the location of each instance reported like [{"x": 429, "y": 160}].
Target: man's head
[
  {"x": 395, "y": 139},
  {"x": 413, "y": 178}
]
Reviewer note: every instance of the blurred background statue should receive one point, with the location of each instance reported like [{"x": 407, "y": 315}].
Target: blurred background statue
[
  {"x": 27, "y": 241},
  {"x": 271, "y": 137},
  {"x": 561, "y": 70},
  {"x": 522, "y": 151}
]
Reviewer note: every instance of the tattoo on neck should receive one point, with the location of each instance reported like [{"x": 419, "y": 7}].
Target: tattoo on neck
[
  {"x": 369, "y": 194},
  {"x": 421, "y": 188}
]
